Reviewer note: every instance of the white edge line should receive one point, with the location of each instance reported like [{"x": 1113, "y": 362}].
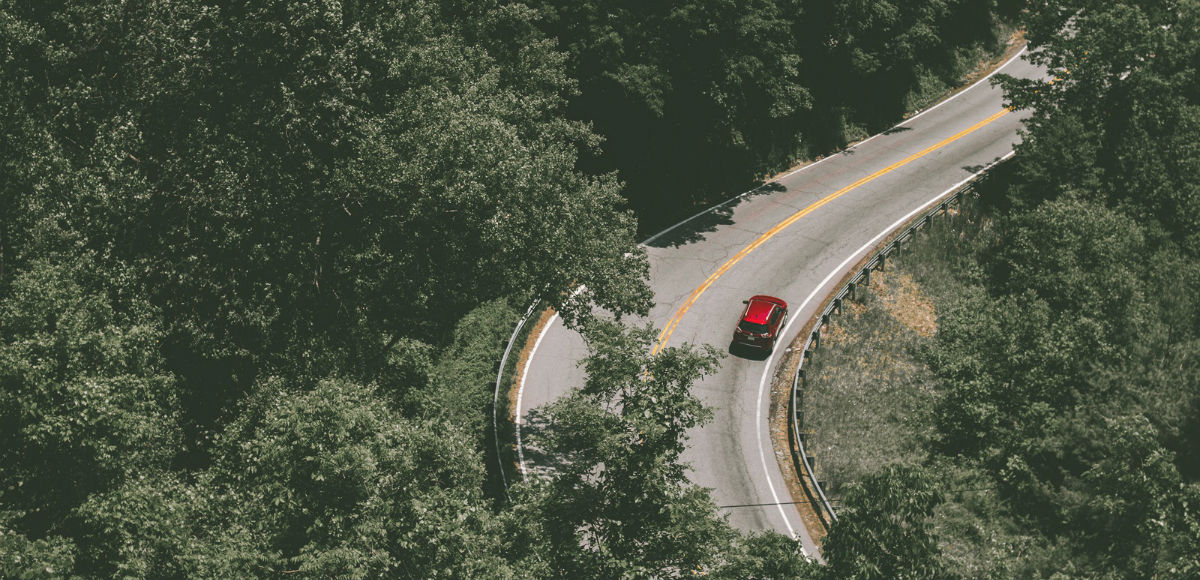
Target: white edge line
[
  {"x": 496, "y": 393},
  {"x": 521, "y": 393},
  {"x": 836, "y": 271},
  {"x": 521, "y": 385},
  {"x": 836, "y": 153},
  {"x": 973, "y": 85}
]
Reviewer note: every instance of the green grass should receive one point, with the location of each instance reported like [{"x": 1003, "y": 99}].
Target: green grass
[{"x": 869, "y": 397}]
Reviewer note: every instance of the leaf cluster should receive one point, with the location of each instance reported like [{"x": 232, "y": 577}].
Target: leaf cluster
[
  {"x": 700, "y": 97},
  {"x": 618, "y": 503},
  {"x": 1068, "y": 377}
]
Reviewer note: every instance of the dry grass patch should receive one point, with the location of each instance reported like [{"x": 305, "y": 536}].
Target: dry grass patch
[
  {"x": 904, "y": 300},
  {"x": 868, "y": 396}
]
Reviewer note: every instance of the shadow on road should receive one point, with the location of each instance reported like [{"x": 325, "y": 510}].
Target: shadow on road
[
  {"x": 973, "y": 169},
  {"x": 693, "y": 230},
  {"x": 747, "y": 352},
  {"x": 538, "y": 433}
]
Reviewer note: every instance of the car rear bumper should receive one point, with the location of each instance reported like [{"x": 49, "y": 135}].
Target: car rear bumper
[{"x": 763, "y": 343}]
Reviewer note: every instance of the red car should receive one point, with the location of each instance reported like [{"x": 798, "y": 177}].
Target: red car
[{"x": 761, "y": 321}]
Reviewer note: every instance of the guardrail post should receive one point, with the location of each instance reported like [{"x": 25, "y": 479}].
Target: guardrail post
[
  {"x": 508, "y": 346},
  {"x": 800, "y": 455}
]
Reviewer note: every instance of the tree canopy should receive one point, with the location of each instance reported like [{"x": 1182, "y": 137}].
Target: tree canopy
[
  {"x": 1068, "y": 365},
  {"x": 700, "y": 97},
  {"x": 257, "y": 259}
]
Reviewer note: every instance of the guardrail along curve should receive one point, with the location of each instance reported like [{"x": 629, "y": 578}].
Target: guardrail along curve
[
  {"x": 812, "y": 342},
  {"x": 500, "y": 381}
]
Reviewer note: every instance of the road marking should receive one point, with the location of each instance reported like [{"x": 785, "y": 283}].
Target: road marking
[
  {"x": 833, "y": 155},
  {"x": 669, "y": 329},
  {"x": 665, "y": 334},
  {"x": 545, "y": 330},
  {"x": 521, "y": 392},
  {"x": 762, "y": 455}
]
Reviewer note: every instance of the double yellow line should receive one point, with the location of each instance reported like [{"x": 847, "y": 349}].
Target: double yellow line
[{"x": 665, "y": 335}]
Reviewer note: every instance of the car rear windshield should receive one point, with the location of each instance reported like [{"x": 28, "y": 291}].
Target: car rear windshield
[{"x": 752, "y": 327}]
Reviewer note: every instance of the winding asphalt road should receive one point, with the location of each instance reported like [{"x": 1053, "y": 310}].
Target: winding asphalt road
[{"x": 788, "y": 239}]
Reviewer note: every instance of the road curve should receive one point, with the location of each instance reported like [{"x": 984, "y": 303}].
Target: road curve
[{"x": 782, "y": 239}]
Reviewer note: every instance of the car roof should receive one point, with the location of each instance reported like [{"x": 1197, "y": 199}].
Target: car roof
[{"x": 759, "y": 308}]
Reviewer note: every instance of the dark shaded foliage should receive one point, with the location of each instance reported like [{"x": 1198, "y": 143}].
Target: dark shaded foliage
[
  {"x": 619, "y": 504},
  {"x": 698, "y": 98},
  {"x": 256, "y": 260},
  {"x": 884, "y": 531},
  {"x": 234, "y": 235},
  {"x": 1070, "y": 371}
]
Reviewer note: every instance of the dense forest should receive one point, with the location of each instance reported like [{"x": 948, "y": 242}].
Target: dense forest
[
  {"x": 257, "y": 260},
  {"x": 700, "y": 98},
  {"x": 1062, "y": 434}
]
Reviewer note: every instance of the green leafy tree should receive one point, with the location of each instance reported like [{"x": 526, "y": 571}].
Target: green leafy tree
[
  {"x": 462, "y": 385},
  {"x": 883, "y": 529},
  {"x": 1079, "y": 256},
  {"x": 1112, "y": 118},
  {"x": 871, "y": 61},
  {"x": 618, "y": 503},
  {"x": 700, "y": 97},
  {"x": 1132, "y": 493},
  {"x": 1069, "y": 377},
  {"x": 301, "y": 187},
  {"x": 84, "y": 399},
  {"x": 690, "y": 98},
  {"x": 768, "y": 555},
  {"x": 337, "y": 484},
  {"x": 20, "y": 557},
  {"x": 1000, "y": 367},
  {"x": 158, "y": 526}
]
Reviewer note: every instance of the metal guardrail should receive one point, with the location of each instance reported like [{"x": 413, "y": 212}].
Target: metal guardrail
[
  {"x": 800, "y": 456},
  {"x": 863, "y": 277},
  {"x": 500, "y": 381}
]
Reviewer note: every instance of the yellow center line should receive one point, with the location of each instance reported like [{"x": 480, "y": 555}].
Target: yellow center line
[{"x": 665, "y": 335}]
